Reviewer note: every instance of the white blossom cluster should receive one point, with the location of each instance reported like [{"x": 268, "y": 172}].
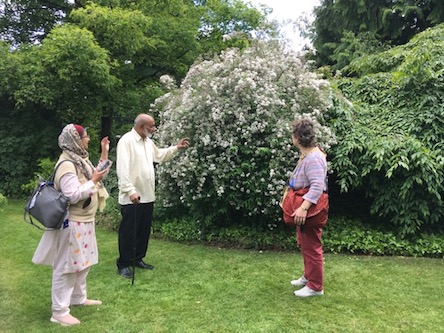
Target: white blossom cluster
[
  {"x": 168, "y": 82},
  {"x": 237, "y": 110}
]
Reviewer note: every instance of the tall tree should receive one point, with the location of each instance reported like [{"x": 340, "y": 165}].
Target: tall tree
[
  {"x": 147, "y": 39},
  {"x": 101, "y": 62},
  {"x": 386, "y": 22},
  {"x": 29, "y": 21},
  {"x": 69, "y": 74},
  {"x": 144, "y": 39}
]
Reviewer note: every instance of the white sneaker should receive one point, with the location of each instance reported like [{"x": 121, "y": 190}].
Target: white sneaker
[
  {"x": 307, "y": 292},
  {"x": 301, "y": 282}
]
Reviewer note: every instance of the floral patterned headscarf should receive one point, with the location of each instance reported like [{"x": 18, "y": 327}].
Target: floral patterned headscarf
[{"x": 71, "y": 144}]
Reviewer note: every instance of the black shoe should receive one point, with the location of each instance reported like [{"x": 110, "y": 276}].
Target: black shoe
[
  {"x": 143, "y": 265},
  {"x": 125, "y": 272}
]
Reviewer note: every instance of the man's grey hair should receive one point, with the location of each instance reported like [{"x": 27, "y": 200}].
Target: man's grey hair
[{"x": 141, "y": 119}]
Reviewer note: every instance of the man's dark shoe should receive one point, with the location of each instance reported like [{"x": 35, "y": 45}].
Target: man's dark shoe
[
  {"x": 125, "y": 272},
  {"x": 143, "y": 265}
]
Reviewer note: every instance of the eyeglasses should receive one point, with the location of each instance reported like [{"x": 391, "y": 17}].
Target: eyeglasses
[{"x": 85, "y": 136}]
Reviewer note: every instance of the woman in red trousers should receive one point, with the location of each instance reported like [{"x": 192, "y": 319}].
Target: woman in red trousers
[{"x": 309, "y": 180}]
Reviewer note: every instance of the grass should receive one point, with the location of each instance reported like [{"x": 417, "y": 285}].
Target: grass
[{"x": 206, "y": 289}]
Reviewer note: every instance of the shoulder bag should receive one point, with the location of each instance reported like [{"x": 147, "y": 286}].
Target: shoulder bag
[
  {"x": 293, "y": 199},
  {"x": 47, "y": 204}
]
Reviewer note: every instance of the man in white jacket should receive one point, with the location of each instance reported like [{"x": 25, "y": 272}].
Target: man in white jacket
[{"x": 136, "y": 155}]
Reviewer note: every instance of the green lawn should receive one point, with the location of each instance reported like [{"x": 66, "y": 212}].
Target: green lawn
[{"x": 205, "y": 289}]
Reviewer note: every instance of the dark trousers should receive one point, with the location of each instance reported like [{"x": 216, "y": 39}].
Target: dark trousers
[{"x": 139, "y": 216}]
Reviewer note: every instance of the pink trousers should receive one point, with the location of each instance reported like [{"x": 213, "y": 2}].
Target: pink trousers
[
  {"x": 309, "y": 239},
  {"x": 67, "y": 288}
]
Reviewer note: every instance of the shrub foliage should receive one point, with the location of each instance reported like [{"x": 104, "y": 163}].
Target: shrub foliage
[
  {"x": 392, "y": 142},
  {"x": 237, "y": 109},
  {"x": 342, "y": 235}
]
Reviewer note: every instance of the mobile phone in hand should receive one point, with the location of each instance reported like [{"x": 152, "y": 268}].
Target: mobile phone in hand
[{"x": 102, "y": 166}]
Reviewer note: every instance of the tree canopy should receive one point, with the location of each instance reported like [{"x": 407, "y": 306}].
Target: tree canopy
[
  {"x": 345, "y": 29},
  {"x": 69, "y": 74},
  {"x": 30, "y": 21},
  {"x": 98, "y": 62}
]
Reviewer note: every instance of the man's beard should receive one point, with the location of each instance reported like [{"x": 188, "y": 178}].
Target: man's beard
[{"x": 148, "y": 134}]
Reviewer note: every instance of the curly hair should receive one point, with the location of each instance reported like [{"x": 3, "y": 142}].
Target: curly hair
[{"x": 303, "y": 130}]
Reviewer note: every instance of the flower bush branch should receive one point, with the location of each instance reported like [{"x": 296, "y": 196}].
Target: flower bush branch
[{"x": 237, "y": 108}]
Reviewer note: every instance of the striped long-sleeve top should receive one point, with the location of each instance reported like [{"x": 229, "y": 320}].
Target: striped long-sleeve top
[{"x": 311, "y": 173}]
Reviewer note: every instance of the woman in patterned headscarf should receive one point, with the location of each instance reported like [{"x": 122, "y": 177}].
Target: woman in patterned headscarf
[{"x": 72, "y": 250}]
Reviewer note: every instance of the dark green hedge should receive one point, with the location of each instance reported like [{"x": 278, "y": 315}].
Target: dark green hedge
[{"x": 342, "y": 235}]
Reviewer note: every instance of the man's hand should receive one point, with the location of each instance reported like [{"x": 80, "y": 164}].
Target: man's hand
[
  {"x": 183, "y": 143},
  {"x": 135, "y": 198}
]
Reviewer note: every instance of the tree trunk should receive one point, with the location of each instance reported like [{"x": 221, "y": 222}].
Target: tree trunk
[{"x": 105, "y": 129}]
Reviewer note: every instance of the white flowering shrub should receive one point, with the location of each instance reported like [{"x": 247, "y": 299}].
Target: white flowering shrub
[{"x": 237, "y": 109}]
